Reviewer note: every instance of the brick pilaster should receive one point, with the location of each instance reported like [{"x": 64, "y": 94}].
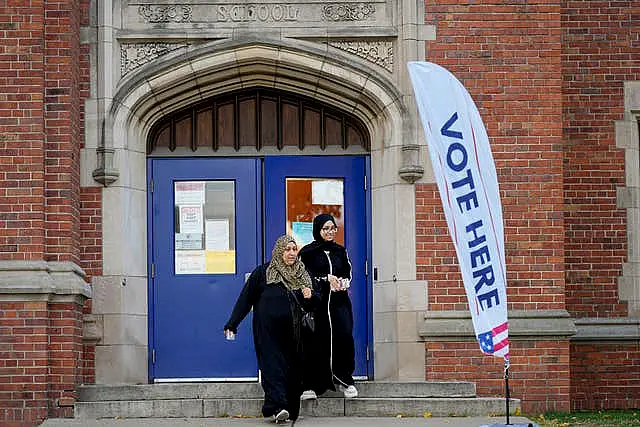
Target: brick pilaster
[
  {"x": 22, "y": 130},
  {"x": 62, "y": 129}
]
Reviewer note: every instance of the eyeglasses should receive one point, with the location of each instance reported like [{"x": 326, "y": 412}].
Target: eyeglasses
[{"x": 329, "y": 229}]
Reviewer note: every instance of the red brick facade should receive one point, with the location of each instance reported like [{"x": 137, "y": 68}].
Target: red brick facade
[
  {"x": 43, "y": 83},
  {"x": 91, "y": 261},
  {"x": 605, "y": 376},
  {"x": 548, "y": 80},
  {"x": 512, "y": 69},
  {"x": 600, "y": 51},
  {"x": 40, "y": 346},
  {"x": 539, "y": 372},
  {"x": 22, "y": 80}
]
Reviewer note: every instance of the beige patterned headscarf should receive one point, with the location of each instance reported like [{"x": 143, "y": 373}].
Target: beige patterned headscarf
[{"x": 293, "y": 276}]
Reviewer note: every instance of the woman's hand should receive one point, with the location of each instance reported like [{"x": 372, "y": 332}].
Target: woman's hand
[
  {"x": 306, "y": 293},
  {"x": 334, "y": 282}
]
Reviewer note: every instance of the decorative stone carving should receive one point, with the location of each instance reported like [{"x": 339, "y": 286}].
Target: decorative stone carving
[
  {"x": 378, "y": 52},
  {"x": 411, "y": 169},
  {"x": 133, "y": 55},
  {"x": 106, "y": 173},
  {"x": 158, "y": 14},
  {"x": 348, "y": 11}
]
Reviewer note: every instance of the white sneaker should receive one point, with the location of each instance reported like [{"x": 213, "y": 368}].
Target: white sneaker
[
  {"x": 308, "y": 395},
  {"x": 283, "y": 415},
  {"x": 350, "y": 392}
]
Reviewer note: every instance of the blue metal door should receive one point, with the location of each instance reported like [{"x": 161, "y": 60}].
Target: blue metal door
[
  {"x": 336, "y": 185},
  {"x": 206, "y": 233},
  {"x": 205, "y": 236}
]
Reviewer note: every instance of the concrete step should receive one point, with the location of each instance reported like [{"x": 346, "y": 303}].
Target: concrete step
[
  {"x": 323, "y": 407},
  {"x": 93, "y": 393},
  {"x": 215, "y": 400}
]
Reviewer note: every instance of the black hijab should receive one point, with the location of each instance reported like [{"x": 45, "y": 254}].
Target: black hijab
[{"x": 319, "y": 243}]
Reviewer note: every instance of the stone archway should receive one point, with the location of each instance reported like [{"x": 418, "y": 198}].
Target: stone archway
[{"x": 194, "y": 74}]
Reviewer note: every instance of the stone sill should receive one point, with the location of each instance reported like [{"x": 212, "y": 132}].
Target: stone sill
[
  {"x": 452, "y": 325},
  {"x": 612, "y": 329}
]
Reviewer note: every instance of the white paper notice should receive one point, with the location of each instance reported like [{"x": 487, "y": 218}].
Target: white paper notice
[
  {"x": 190, "y": 193},
  {"x": 217, "y": 235},
  {"x": 191, "y": 219},
  {"x": 327, "y": 192},
  {"x": 188, "y": 241},
  {"x": 302, "y": 232},
  {"x": 191, "y": 262}
]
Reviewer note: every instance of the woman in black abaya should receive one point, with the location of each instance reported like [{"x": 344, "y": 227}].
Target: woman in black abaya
[
  {"x": 276, "y": 326},
  {"x": 330, "y": 349}
]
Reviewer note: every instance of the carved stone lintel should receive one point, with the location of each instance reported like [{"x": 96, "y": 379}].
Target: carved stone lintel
[
  {"x": 379, "y": 52},
  {"x": 134, "y": 55},
  {"x": 161, "y": 14},
  {"x": 348, "y": 11}
]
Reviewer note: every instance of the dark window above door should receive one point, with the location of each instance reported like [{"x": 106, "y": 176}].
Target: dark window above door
[{"x": 258, "y": 118}]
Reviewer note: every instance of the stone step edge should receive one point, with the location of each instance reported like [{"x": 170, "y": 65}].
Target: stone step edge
[
  {"x": 234, "y": 408},
  {"x": 320, "y": 399},
  {"x": 94, "y": 393}
]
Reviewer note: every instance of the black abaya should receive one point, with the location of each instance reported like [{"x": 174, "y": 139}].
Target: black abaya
[
  {"x": 333, "y": 351},
  {"x": 276, "y": 336}
]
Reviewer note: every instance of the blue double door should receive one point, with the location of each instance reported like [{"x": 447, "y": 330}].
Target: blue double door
[{"x": 211, "y": 222}]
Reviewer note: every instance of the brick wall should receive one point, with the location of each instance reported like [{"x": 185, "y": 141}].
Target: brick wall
[
  {"x": 600, "y": 51},
  {"x": 508, "y": 57},
  {"x": 91, "y": 230},
  {"x": 62, "y": 129},
  {"x": 24, "y": 355},
  {"x": 605, "y": 376},
  {"x": 40, "y": 345},
  {"x": 90, "y": 206},
  {"x": 44, "y": 77},
  {"x": 65, "y": 352},
  {"x": 22, "y": 232},
  {"x": 84, "y": 82},
  {"x": 548, "y": 81},
  {"x": 539, "y": 373},
  {"x": 91, "y": 261}
]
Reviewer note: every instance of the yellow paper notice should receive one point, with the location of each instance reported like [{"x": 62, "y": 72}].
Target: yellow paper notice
[{"x": 221, "y": 262}]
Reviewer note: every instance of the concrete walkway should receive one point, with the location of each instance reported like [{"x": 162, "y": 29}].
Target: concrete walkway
[{"x": 304, "y": 422}]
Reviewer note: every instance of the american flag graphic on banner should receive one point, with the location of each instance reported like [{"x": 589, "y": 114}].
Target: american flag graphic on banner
[{"x": 495, "y": 341}]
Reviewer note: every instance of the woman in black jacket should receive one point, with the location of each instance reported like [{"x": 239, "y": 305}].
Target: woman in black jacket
[
  {"x": 276, "y": 291},
  {"x": 330, "y": 349}
]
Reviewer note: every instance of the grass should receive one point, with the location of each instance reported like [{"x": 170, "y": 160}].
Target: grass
[{"x": 612, "y": 418}]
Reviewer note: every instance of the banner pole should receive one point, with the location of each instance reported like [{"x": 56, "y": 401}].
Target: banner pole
[{"x": 506, "y": 384}]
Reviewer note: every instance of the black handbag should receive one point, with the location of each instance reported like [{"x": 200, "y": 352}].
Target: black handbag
[
  {"x": 307, "y": 317},
  {"x": 308, "y": 321}
]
